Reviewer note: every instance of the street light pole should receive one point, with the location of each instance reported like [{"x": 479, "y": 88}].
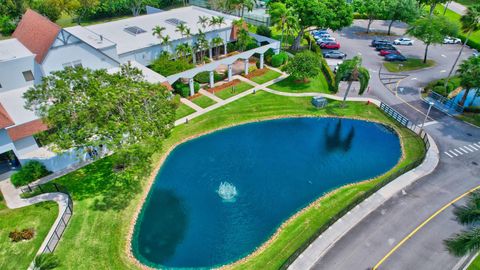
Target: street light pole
[{"x": 428, "y": 112}]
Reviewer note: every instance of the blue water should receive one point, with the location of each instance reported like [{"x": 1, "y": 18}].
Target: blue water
[{"x": 277, "y": 167}]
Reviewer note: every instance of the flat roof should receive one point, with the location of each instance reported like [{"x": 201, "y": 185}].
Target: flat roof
[
  {"x": 14, "y": 103},
  {"x": 12, "y": 49},
  {"x": 128, "y": 41},
  {"x": 91, "y": 38},
  {"x": 149, "y": 75}
]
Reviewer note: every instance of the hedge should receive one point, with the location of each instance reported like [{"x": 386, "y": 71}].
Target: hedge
[
  {"x": 472, "y": 109},
  {"x": 438, "y": 86},
  {"x": 263, "y": 30},
  {"x": 28, "y": 173},
  {"x": 183, "y": 89},
  {"x": 279, "y": 59},
  {"x": 329, "y": 76},
  {"x": 204, "y": 77}
]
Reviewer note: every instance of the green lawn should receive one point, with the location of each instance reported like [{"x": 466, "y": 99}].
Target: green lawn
[
  {"x": 183, "y": 110},
  {"x": 234, "y": 90},
  {"x": 317, "y": 84},
  {"x": 410, "y": 64},
  {"x": 472, "y": 118},
  {"x": 203, "y": 101},
  {"x": 97, "y": 234},
  {"x": 268, "y": 76},
  {"x": 40, "y": 217},
  {"x": 455, "y": 17},
  {"x": 475, "y": 264}
]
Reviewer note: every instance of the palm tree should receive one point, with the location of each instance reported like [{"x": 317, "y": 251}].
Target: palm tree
[
  {"x": 180, "y": 28},
  {"x": 158, "y": 31},
  {"x": 183, "y": 50},
  {"x": 352, "y": 70},
  {"x": 220, "y": 21},
  {"x": 249, "y": 4},
  {"x": 203, "y": 21},
  {"x": 216, "y": 42},
  {"x": 467, "y": 241},
  {"x": 470, "y": 23},
  {"x": 243, "y": 39},
  {"x": 280, "y": 14},
  {"x": 165, "y": 41},
  {"x": 469, "y": 72}
]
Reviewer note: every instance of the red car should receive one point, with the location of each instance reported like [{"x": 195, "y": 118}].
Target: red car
[
  {"x": 385, "y": 52},
  {"x": 331, "y": 45}
]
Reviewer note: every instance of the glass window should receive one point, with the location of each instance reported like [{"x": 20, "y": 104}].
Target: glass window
[{"x": 28, "y": 75}]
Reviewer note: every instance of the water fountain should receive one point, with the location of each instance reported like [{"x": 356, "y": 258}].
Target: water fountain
[{"x": 227, "y": 192}]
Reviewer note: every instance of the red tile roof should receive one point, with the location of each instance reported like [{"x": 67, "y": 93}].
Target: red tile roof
[
  {"x": 27, "y": 129},
  {"x": 37, "y": 33},
  {"x": 168, "y": 85},
  {"x": 5, "y": 119}
]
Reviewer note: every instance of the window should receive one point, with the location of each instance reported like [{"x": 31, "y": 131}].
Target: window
[
  {"x": 134, "y": 30},
  {"x": 28, "y": 75},
  {"x": 175, "y": 21}
]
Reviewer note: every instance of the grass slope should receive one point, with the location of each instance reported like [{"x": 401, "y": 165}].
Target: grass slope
[
  {"x": 40, "y": 217},
  {"x": 317, "y": 84},
  {"x": 455, "y": 17},
  {"x": 96, "y": 236},
  {"x": 183, "y": 110},
  {"x": 268, "y": 76},
  {"x": 203, "y": 101},
  {"x": 234, "y": 90},
  {"x": 410, "y": 64}
]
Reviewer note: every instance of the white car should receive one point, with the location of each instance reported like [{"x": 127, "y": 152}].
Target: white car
[
  {"x": 451, "y": 40},
  {"x": 329, "y": 39},
  {"x": 403, "y": 41}
]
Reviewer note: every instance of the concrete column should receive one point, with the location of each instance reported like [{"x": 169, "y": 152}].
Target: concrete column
[
  {"x": 261, "y": 60},
  {"x": 225, "y": 47},
  {"x": 229, "y": 72},
  {"x": 192, "y": 87},
  {"x": 212, "y": 79},
  {"x": 194, "y": 57},
  {"x": 246, "y": 66},
  {"x": 210, "y": 53}
]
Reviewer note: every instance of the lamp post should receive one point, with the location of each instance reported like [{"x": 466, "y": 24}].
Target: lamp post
[{"x": 428, "y": 112}]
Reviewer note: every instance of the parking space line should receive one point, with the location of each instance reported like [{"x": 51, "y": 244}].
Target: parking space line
[
  {"x": 473, "y": 147},
  {"x": 476, "y": 145},
  {"x": 468, "y": 148},
  {"x": 458, "y": 151},
  {"x": 463, "y": 150},
  {"x": 448, "y": 154},
  {"x": 455, "y": 154}
]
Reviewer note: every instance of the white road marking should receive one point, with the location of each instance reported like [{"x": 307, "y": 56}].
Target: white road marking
[
  {"x": 458, "y": 151},
  {"x": 448, "y": 154},
  {"x": 443, "y": 71},
  {"x": 468, "y": 148},
  {"x": 476, "y": 145},
  {"x": 444, "y": 56},
  {"x": 463, "y": 150},
  {"x": 473, "y": 147},
  {"x": 414, "y": 79},
  {"x": 430, "y": 123},
  {"x": 455, "y": 154}
]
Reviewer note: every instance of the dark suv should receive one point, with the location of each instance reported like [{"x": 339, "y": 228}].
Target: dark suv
[
  {"x": 377, "y": 42},
  {"x": 385, "y": 47}
]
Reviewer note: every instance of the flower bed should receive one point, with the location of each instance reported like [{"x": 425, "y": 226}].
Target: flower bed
[{"x": 224, "y": 86}]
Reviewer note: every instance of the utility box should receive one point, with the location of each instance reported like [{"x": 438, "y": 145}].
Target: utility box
[{"x": 319, "y": 102}]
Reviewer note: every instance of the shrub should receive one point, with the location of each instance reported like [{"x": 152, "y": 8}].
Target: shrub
[
  {"x": 277, "y": 60},
  {"x": 472, "y": 109},
  {"x": 316, "y": 49},
  {"x": 46, "y": 261},
  {"x": 440, "y": 89},
  {"x": 163, "y": 65},
  {"x": 183, "y": 89},
  {"x": 25, "y": 234},
  {"x": 204, "y": 77},
  {"x": 7, "y": 25},
  {"x": 29, "y": 172},
  {"x": 439, "y": 85},
  {"x": 263, "y": 30},
  {"x": 232, "y": 46},
  {"x": 251, "y": 46},
  {"x": 252, "y": 68},
  {"x": 329, "y": 76}
]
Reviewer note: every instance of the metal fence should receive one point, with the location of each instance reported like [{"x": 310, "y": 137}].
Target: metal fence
[
  {"x": 443, "y": 103},
  {"x": 66, "y": 215},
  {"x": 404, "y": 122}
]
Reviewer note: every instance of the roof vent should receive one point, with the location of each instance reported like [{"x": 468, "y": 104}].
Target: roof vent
[
  {"x": 175, "y": 21},
  {"x": 134, "y": 30}
]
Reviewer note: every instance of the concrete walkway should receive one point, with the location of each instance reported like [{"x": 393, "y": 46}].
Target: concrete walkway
[
  {"x": 457, "y": 8},
  {"x": 190, "y": 104},
  {"x": 327, "y": 239},
  {"x": 210, "y": 95}
]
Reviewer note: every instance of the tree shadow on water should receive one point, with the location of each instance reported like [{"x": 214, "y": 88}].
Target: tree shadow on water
[{"x": 334, "y": 141}]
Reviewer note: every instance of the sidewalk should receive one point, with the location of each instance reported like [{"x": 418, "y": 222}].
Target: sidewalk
[
  {"x": 326, "y": 240},
  {"x": 457, "y": 8}
]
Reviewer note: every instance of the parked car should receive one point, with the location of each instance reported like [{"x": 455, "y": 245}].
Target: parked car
[
  {"x": 331, "y": 45},
  {"x": 334, "y": 54},
  {"x": 377, "y": 42},
  {"x": 385, "y": 47},
  {"x": 324, "y": 35},
  {"x": 403, "y": 41},
  {"x": 385, "y": 52},
  {"x": 451, "y": 40},
  {"x": 323, "y": 40},
  {"x": 395, "y": 57},
  {"x": 319, "y": 32}
]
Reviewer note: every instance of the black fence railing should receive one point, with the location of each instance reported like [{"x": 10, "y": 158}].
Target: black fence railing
[{"x": 404, "y": 122}]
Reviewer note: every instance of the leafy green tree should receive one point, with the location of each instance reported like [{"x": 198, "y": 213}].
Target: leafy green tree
[
  {"x": 400, "y": 10},
  {"x": 372, "y": 9},
  {"x": 304, "y": 65},
  {"x": 83, "y": 7},
  {"x": 470, "y": 23},
  {"x": 13, "y": 8},
  {"x": 432, "y": 30},
  {"x": 136, "y": 6},
  {"x": 88, "y": 108},
  {"x": 469, "y": 72},
  {"x": 467, "y": 241},
  {"x": 46, "y": 261},
  {"x": 243, "y": 39},
  {"x": 183, "y": 50},
  {"x": 432, "y": 4},
  {"x": 351, "y": 70},
  {"x": 280, "y": 16},
  {"x": 7, "y": 25}
]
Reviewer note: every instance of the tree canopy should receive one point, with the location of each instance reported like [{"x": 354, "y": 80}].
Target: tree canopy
[
  {"x": 400, "y": 10},
  {"x": 304, "y": 65},
  {"x": 469, "y": 72},
  {"x": 372, "y": 9},
  {"x": 87, "y": 108}
]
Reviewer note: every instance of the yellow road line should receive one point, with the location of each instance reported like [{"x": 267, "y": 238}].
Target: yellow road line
[{"x": 422, "y": 225}]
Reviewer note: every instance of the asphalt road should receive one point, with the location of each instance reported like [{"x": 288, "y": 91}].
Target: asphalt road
[{"x": 366, "y": 244}]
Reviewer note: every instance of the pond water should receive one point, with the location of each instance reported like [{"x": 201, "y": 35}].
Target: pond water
[{"x": 219, "y": 196}]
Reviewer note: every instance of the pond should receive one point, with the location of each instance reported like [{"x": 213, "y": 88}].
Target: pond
[{"x": 219, "y": 196}]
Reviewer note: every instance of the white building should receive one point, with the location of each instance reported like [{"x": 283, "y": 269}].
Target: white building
[{"x": 40, "y": 47}]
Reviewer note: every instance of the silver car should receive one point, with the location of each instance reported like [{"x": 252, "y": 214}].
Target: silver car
[{"x": 334, "y": 54}]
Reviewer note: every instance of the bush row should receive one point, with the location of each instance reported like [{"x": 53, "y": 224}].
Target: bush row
[
  {"x": 183, "y": 89},
  {"x": 204, "y": 77},
  {"x": 28, "y": 173},
  {"x": 329, "y": 76},
  {"x": 438, "y": 86}
]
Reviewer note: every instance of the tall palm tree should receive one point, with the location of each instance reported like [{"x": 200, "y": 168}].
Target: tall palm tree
[
  {"x": 158, "y": 31},
  {"x": 181, "y": 28},
  {"x": 183, "y": 50},
  {"x": 216, "y": 42},
  {"x": 220, "y": 21},
  {"x": 248, "y": 4},
  {"x": 243, "y": 39},
  {"x": 467, "y": 241},
  {"x": 165, "y": 41},
  {"x": 351, "y": 70},
  {"x": 203, "y": 21},
  {"x": 470, "y": 22},
  {"x": 280, "y": 14},
  {"x": 469, "y": 72}
]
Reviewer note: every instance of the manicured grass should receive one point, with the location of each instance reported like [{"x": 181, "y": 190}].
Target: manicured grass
[
  {"x": 234, "y": 90},
  {"x": 203, "y": 101},
  {"x": 317, "y": 84},
  {"x": 474, "y": 40},
  {"x": 183, "y": 110},
  {"x": 475, "y": 264},
  {"x": 40, "y": 217},
  {"x": 410, "y": 64},
  {"x": 472, "y": 118},
  {"x": 97, "y": 234},
  {"x": 268, "y": 76}
]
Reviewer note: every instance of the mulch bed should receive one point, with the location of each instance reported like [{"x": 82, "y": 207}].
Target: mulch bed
[
  {"x": 256, "y": 73},
  {"x": 224, "y": 86},
  {"x": 194, "y": 96}
]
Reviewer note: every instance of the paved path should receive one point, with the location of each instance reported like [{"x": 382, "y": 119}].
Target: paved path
[
  {"x": 191, "y": 104},
  {"x": 457, "y": 8},
  {"x": 210, "y": 95}
]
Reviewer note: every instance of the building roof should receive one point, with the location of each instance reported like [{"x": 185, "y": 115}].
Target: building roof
[
  {"x": 136, "y": 33},
  {"x": 91, "y": 38},
  {"x": 37, "y": 33},
  {"x": 5, "y": 119},
  {"x": 27, "y": 129},
  {"x": 13, "y": 103},
  {"x": 12, "y": 49}
]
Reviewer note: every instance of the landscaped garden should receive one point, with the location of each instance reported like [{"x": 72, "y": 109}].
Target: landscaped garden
[
  {"x": 410, "y": 64},
  {"x": 183, "y": 110},
  {"x": 318, "y": 84},
  {"x": 262, "y": 76},
  {"x": 233, "y": 90},
  {"x": 37, "y": 219},
  {"x": 203, "y": 101},
  {"x": 97, "y": 234}
]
